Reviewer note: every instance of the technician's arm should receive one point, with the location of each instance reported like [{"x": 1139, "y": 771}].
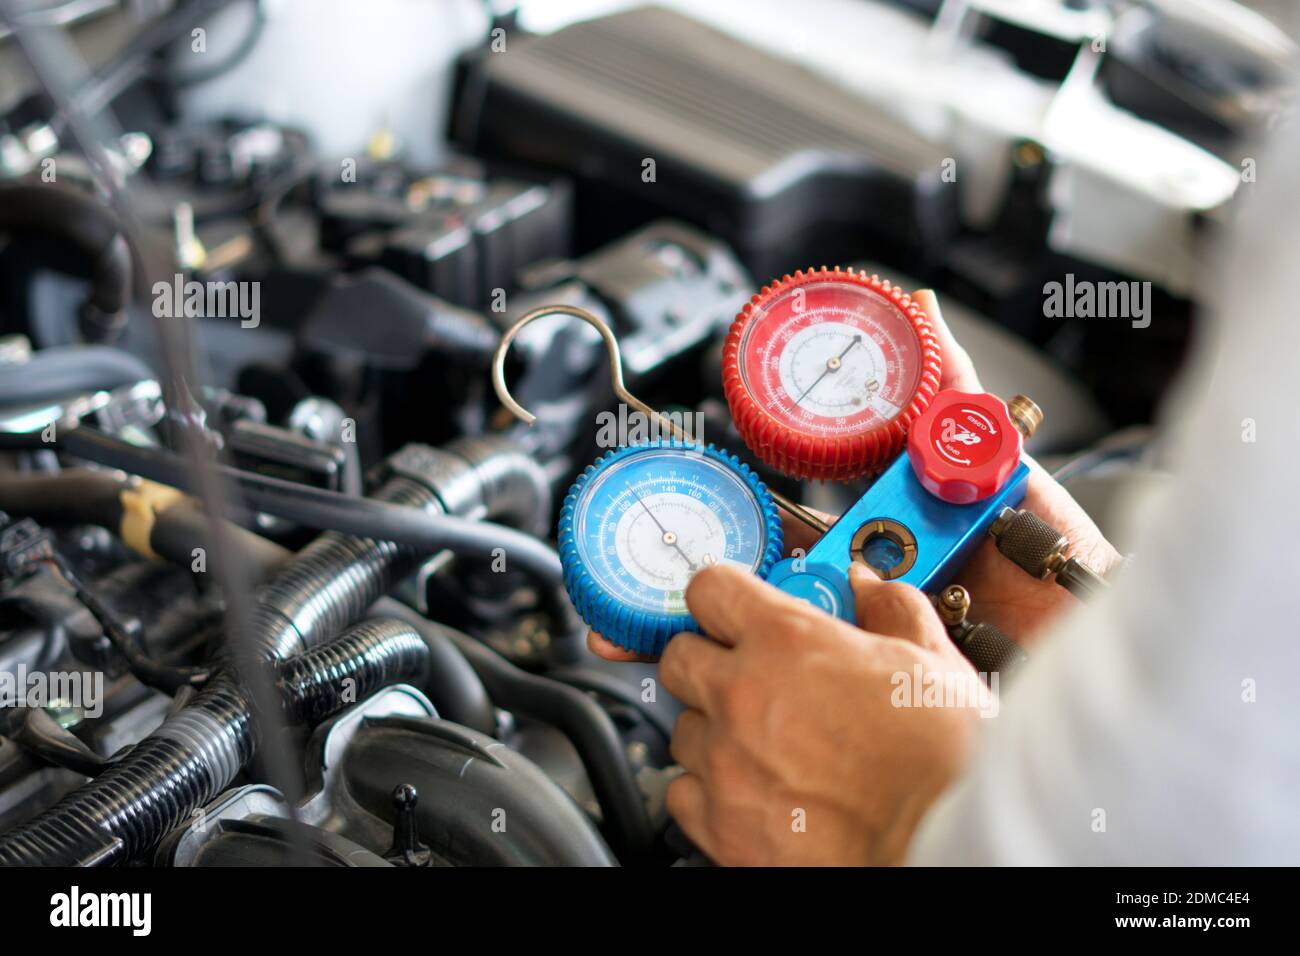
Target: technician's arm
[{"x": 1159, "y": 725}]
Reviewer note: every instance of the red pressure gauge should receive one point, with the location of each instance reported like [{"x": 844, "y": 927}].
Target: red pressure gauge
[{"x": 825, "y": 371}]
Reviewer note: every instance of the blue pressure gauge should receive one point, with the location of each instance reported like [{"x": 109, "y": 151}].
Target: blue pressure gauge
[{"x": 640, "y": 522}]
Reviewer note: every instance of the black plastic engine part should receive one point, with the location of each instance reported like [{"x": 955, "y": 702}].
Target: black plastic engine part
[
  {"x": 383, "y": 319},
  {"x": 390, "y": 352},
  {"x": 1176, "y": 69},
  {"x": 455, "y": 234},
  {"x": 271, "y": 841},
  {"x": 512, "y": 226},
  {"x": 783, "y": 165},
  {"x": 281, "y": 453},
  {"x": 667, "y": 287},
  {"x": 461, "y": 774}
]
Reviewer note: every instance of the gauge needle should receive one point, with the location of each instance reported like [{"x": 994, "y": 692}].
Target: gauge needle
[
  {"x": 668, "y": 537},
  {"x": 832, "y": 365}
]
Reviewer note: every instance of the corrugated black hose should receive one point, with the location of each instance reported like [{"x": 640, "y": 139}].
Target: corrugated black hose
[
  {"x": 370, "y": 656},
  {"x": 197, "y": 752}
]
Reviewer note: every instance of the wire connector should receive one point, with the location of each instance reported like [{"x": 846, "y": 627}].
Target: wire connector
[{"x": 23, "y": 543}]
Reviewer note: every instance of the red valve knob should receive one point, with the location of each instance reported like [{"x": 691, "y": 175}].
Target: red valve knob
[{"x": 965, "y": 446}]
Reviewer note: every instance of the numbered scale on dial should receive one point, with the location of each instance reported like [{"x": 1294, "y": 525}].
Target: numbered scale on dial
[
  {"x": 825, "y": 370},
  {"x": 643, "y": 520}
]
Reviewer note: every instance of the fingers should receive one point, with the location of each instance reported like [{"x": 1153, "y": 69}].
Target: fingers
[
  {"x": 894, "y": 610},
  {"x": 612, "y": 652},
  {"x": 958, "y": 369},
  {"x": 687, "y": 803},
  {"x": 729, "y": 603},
  {"x": 692, "y": 668},
  {"x": 689, "y": 743}
]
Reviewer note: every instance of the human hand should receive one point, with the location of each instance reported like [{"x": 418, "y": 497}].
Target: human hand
[{"x": 802, "y": 743}]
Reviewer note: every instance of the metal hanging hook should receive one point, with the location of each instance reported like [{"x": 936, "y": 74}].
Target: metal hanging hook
[
  {"x": 615, "y": 366},
  {"x": 620, "y": 390}
]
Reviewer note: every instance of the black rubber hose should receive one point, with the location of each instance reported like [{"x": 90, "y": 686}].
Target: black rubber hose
[
  {"x": 607, "y": 685},
  {"x": 82, "y": 496},
  {"x": 56, "y": 373},
  {"x": 579, "y": 718},
  {"x": 318, "y": 508},
  {"x": 238, "y": 55},
  {"x": 369, "y": 657},
  {"x": 83, "y": 222},
  {"x": 178, "y": 530},
  {"x": 335, "y": 579},
  {"x": 73, "y": 496},
  {"x": 451, "y": 681}
]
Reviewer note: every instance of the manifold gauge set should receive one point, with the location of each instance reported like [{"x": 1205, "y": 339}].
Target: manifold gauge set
[{"x": 830, "y": 374}]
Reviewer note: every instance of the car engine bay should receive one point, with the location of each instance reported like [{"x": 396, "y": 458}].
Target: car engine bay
[{"x": 279, "y": 575}]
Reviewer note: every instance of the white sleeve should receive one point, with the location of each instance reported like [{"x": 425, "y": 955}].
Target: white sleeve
[{"x": 1161, "y": 724}]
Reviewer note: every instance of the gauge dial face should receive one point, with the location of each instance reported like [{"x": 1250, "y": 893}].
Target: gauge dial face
[
  {"x": 831, "y": 359},
  {"x": 648, "y": 522}
]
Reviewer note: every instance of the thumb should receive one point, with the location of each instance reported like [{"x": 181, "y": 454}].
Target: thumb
[
  {"x": 958, "y": 369},
  {"x": 894, "y": 610}
]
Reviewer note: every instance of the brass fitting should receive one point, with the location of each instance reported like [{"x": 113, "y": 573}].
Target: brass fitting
[
  {"x": 1025, "y": 414},
  {"x": 952, "y": 604}
]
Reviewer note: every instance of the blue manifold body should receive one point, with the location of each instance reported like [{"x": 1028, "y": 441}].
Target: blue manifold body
[{"x": 900, "y": 529}]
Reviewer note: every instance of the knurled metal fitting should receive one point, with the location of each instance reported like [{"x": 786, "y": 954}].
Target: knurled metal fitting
[{"x": 1029, "y": 541}]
